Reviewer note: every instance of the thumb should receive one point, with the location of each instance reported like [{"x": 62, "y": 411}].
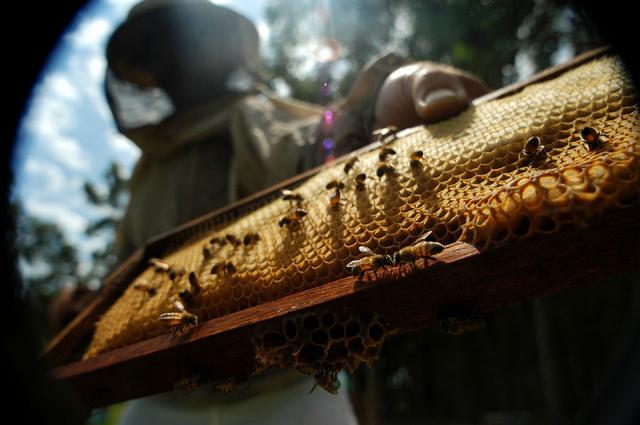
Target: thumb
[
  {"x": 435, "y": 102},
  {"x": 441, "y": 92}
]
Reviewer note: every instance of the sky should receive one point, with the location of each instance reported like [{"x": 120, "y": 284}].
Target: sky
[{"x": 67, "y": 135}]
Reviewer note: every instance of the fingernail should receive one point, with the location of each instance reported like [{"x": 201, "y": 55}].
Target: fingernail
[{"x": 439, "y": 95}]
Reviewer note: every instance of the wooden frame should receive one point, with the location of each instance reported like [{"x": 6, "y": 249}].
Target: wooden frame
[{"x": 407, "y": 299}]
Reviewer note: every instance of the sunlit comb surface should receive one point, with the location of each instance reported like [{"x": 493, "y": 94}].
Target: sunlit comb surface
[{"x": 471, "y": 184}]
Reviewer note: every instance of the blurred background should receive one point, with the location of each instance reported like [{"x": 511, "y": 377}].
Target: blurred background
[{"x": 538, "y": 362}]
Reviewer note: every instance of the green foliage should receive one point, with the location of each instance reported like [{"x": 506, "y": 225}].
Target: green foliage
[
  {"x": 110, "y": 197},
  {"x": 484, "y": 37},
  {"x": 49, "y": 262}
]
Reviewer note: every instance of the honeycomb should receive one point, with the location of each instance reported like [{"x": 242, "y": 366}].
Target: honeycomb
[
  {"x": 471, "y": 183},
  {"x": 321, "y": 343}
]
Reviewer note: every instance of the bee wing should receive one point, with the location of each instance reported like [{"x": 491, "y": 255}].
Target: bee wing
[
  {"x": 365, "y": 250},
  {"x": 353, "y": 264},
  {"x": 170, "y": 319},
  {"x": 424, "y": 237},
  {"x": 179, "y": 306}
]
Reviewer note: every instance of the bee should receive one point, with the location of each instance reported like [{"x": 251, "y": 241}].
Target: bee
[
  {"x": 250, "y": 238},
  {"x": 360, "y": 178},
  {"x": 229, "y": 385},
  {"x": 293, "y": 219},
  {"x": 384, "y": 154},
  {"x": 335, "y": 184},
  {"x": 592, "y": 138},
  {"x": 421, "y": 248},
  {"x": 385, "y": 135},
  {"x": 371, "y": 262},
  {"x": 196, "y": 287},
  {"x": 233, "y": 240},
  {"x": 188, "y": 385},
  {"x": 349, "y": 165},
  {"x": 220, "y": 241},
  {"x": 180, "y": 320},
  {"x": 415, "y": 159},
  {"x": 457, "y": 325},
  {"x": 291, "y": 196},
  {"x": 158, "y": 265},
  {"x": 384, "y": 168},
  {"x": 144, "y": 286},
  {"x": 176, "y": 272},
  {"x": 326, "y": 378},
  {"x": 532, "y": 150},
  {"x": 224, "y": 268},
  {"x": 334, "y": 201},
  {"x": 206, "y": 253}
]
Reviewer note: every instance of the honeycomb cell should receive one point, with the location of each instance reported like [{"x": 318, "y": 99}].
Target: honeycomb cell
[
  {"x": 338, "y": 352},
  {"x": 353, "y": 329},
  {"x": 310, "y": 354},
  {"x": 320, "y": 337},
  {"x": 337, "y": 331},
  {"x": 376, "y": 332},
  {"x": 627, "y": 196},
  {"x": 623, "y": 173}
]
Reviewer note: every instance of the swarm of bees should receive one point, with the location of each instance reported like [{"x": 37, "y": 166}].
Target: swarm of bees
[
  {"x": 533, "y": 151},
  {"x": 421, "y": 248},
  {"x": 179, "y": 321},
  {"x": 592, "y": 138}
]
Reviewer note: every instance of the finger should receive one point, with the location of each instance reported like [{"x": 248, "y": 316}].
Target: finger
[
  {"x": 438, "y": 95},
  {"x": 394, "y": 103},
  {"x": 424, "y": 93},
  {"x": 442, "y": 92}
]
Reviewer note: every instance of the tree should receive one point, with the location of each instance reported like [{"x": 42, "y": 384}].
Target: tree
[
  {"x": 110, "y": 198},
  {"x": 47, "y": 263},
  {"x": 488, "y": 38}
]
